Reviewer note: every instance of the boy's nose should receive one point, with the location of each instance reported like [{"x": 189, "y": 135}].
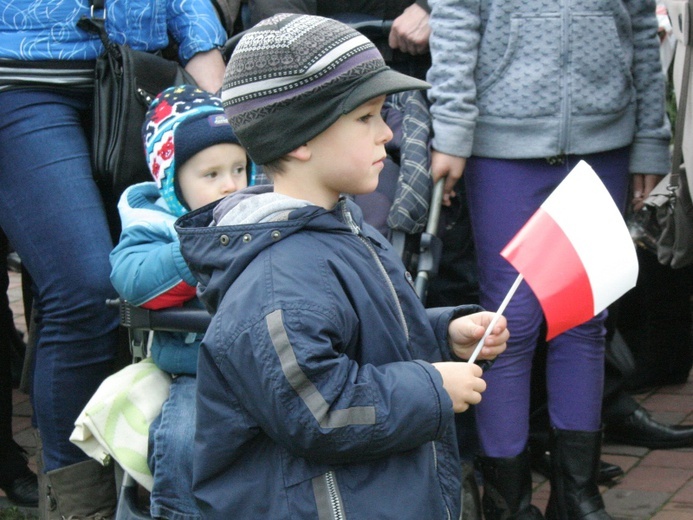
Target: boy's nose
[
  {"x": 229, "y": 185},
  {"x": 386, "y": 132}
]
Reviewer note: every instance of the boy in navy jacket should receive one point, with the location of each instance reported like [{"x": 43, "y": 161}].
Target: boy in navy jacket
[{"x": 325, "y": 389}]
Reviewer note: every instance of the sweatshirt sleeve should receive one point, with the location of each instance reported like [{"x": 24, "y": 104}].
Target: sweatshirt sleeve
[
  {"x": 195, "y": 26},
  {"x": 650, "y": 149},
  {"x": 454, "y": 47}
]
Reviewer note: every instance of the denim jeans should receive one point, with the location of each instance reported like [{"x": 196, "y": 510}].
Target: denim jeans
[
  {"x": 52, "y": 213},
  {"x": 171, "y": 438},
  {"x": 503, "y": 195}
]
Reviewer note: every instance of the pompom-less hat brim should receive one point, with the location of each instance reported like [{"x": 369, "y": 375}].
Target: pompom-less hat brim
[
  {"x": 383, "y": 82},
  {"x": 292, "y": 76},
  {"x": 278, "y": 134}
]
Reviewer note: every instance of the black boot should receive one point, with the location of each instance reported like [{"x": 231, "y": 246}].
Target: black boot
[
  {"x": 574, "y": 467},
  {"x": 471, "y": 500},
  {"x": 508, "y": 488},
  {"x": 16, "y": 479},
  {"x": 640, "y": 429}
]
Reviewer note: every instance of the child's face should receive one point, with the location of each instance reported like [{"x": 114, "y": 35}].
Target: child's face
[
  {"x": 349, "y": 155},
  {"x": 212, "y": 173}
]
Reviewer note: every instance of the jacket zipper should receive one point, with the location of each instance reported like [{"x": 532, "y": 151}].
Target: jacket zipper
[
  {"x": 335, "y": 502},
  {"x": 565, "y": 102},
  {"x": 357, "y": 231}
]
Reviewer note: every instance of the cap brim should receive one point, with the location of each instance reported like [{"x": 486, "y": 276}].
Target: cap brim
[{"x": 385, "y": 81}]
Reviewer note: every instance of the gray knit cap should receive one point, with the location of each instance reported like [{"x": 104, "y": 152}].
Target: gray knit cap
[{"x": 291, "y": 76}]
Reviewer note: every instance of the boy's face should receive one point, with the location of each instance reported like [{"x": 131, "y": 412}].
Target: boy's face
[
  {"x": 349, "y": 155},
  {"x": 212, "y": 173}
]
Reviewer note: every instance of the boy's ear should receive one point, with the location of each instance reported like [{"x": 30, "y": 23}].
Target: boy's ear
[{"x": 302, "y": 153}]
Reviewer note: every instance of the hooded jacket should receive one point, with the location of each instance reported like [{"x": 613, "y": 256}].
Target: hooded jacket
[{"x": 316, "y": 396}]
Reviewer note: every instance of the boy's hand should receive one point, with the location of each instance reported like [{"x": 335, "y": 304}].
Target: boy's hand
[
  {"x": 463, "y": 383},
  {"x": 465, "y": 332}
]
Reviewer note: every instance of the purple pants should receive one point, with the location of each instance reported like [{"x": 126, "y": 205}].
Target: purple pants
[{"x": 503, "y": 195}]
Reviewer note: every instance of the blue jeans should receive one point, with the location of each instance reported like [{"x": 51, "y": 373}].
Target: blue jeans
[
  {"x": 171, "y": 438},
  {"x": 503, "y": 195},
  {"x": 52, "y": 213}
]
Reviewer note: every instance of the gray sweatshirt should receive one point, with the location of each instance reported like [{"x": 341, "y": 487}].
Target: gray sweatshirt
[{"x": 521, "y": 79}]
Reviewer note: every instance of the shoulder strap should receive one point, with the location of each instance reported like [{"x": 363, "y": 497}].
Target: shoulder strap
[{"x": 96, "y": 24}]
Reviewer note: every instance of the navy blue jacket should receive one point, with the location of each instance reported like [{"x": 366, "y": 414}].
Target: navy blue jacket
[{"x": 316, "y": 396}]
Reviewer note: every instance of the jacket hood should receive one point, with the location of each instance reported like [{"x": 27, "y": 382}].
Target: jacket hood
[{"x": 218, "y": 254}]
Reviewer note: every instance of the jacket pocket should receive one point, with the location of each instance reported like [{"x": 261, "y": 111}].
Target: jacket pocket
[
  {"x": 601, "y": 79},
  {"x": 511, "y": 83},
  {"x": 310, "y": 489}
]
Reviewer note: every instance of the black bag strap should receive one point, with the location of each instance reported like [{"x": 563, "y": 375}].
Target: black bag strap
[
  {"x": 96, "y": 24},
  {"x": 677, "y": 154}
]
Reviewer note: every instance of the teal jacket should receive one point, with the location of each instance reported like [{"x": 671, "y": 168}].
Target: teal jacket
[{"x": 149, "y": 271}]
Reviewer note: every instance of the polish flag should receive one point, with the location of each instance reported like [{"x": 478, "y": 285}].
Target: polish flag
[{"x": 575, "y": 252}]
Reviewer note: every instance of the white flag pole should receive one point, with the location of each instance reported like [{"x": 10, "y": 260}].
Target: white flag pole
[{"x": 495, "y": 319}]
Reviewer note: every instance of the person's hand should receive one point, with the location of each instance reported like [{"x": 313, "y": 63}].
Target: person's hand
[
  {"x": 450, "y": 167},
  {"x": 463, "y": 383},
  {"x": 465, "y": 332},
  {"x": 410, "y": 31},
  {"x": 207, "y": 69},
  {"x": 642, "y": 186}
]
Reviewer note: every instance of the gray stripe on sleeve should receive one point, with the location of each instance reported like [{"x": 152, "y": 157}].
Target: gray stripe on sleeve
[{"x": 305, "y": 388}]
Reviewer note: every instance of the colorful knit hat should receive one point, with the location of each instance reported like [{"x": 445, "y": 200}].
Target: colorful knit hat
[
  {"x": 291, "y": 76},
  {"x": 180, "y": 122}
]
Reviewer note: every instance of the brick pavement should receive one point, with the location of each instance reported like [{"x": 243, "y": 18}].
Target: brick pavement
[{"x": 657, "y": 485}]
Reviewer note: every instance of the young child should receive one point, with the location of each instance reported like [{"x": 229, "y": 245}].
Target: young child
[
  {"x": 325, "y": 389},
  {"x": 195, "y": 159}
]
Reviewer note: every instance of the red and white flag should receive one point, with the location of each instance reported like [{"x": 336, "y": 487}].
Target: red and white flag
[{"x": 575, "y": 252}]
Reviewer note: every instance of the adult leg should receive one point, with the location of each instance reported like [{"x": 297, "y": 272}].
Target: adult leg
[
  {"x": 655, "y": 320},
  {"x": 502, "y": 196},
  {"x": 16, "y": 479},
  {"x": 52, "y": 213},
  {"x": 575, "y": 385}
]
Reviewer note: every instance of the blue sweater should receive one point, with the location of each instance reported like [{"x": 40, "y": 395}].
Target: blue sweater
[{"x": 523, "y": 79}]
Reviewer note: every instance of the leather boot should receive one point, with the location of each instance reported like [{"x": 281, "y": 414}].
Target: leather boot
[
  {"x": 82, "y": 491},
  {"x": 44, "y": 512},
  {"x": 574, "y": 468},
  {"x": 508, "y": 488}
]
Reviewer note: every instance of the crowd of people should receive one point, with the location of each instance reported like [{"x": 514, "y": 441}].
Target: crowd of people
[{"x": 324, "y": 382}]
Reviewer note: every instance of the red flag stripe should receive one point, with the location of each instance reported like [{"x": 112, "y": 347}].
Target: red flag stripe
[{"x": 544, "y": 256}]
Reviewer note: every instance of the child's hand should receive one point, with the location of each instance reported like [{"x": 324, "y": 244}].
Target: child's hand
[
  {"x": 463, "y": 383},
  {"x": 465, "y": 332}
]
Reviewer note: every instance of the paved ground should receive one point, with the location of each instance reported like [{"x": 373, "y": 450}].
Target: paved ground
[{"x": 657, "y": 485}]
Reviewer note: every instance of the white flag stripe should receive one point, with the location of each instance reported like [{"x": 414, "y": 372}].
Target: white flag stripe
[{"x": 585, "y": 211}]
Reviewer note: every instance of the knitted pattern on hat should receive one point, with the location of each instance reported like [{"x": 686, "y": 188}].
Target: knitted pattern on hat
[
  {"x": 180, "y": 122},
  {"x": 291, "y": 76}
]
